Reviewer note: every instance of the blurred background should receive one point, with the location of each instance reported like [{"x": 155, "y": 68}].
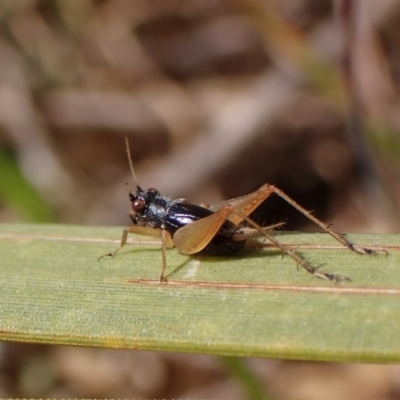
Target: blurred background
[{"x": 217, "y": 97}]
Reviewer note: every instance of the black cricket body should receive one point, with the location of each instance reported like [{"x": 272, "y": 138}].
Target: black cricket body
[{"x": 152, "y": 209}]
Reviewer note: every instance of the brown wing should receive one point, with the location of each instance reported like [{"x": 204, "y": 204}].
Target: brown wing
[{"x": 194, "y": 237}]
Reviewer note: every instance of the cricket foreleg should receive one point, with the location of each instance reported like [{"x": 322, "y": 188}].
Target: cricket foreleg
[
  {"x": 122, "y": 244},
  {"x": 140, "y": 230},
  {"x": 165, "y": 238}
]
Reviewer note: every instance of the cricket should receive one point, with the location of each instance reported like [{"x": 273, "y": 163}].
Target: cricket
[{"x": 222, "y": 229}]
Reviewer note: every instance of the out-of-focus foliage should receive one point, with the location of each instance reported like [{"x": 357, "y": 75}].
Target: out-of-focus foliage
[
  {"x": 216, "y": 97},
  {"x": 18, "y": 193}
]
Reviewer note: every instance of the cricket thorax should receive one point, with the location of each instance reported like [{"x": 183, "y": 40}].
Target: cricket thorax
[{"x": 157, "y": 211}]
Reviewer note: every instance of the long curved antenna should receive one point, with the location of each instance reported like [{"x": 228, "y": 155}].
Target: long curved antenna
[{"x": 128, "y": 152}]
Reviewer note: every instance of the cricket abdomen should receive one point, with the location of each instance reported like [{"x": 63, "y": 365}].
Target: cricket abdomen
[{"x": 224, "y": 245}]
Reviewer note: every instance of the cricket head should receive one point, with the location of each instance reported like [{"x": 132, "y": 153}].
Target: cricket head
[{"x": 141, "y": 201}]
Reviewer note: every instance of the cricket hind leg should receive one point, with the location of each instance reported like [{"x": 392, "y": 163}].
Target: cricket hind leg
[
  {"x": 194, "y": 237},
  {"x": 243, "y": 206},
  {"x": 250, "y": 233},
  {"x": 248, "y": 203},
  {"x": 297, "y": 257},
  {"x": 339, "y": 237}
]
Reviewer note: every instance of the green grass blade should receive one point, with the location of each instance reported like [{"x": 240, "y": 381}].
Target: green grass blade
[{"x": 54, "y": 290}]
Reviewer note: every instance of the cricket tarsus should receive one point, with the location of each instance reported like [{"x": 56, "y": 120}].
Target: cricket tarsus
[
  {"x": 105, "y": 255},
  {"x": 331, "y": 277},
  {"x": 217, "y": 229}
]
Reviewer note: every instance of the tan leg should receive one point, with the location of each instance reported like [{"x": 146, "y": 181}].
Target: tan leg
[
  {"x": 195, "y": 237},
  {"x": 252, "y": 233},
  {"x": 140, "y": 230},
  {"x": 248, "y": 203},
  {"x": 340, "y": 238},
  {"x": 297, "y": 257},
  {"x": 166, "y": 242},
  {"x": 164, "y": 238},
  {"x": 122, "y": 244}
]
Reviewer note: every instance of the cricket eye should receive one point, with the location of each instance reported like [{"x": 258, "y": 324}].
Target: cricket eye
[{"x": 138, "y": 205}]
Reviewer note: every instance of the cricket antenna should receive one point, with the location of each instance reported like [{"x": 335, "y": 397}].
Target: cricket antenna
[{"x": 128, "y": 152}]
